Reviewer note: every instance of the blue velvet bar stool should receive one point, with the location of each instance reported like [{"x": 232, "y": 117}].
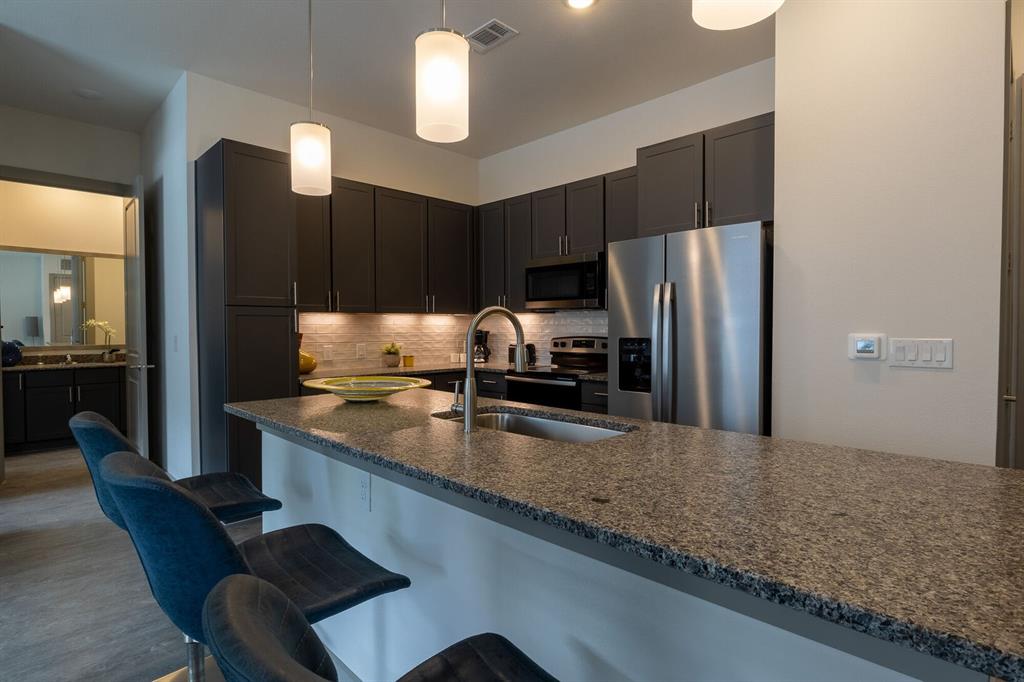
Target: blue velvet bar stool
[
  {"x": 256, "y": 634},
  {"x": 185, "y": 551},
  {"x": 231, "y": 497}
]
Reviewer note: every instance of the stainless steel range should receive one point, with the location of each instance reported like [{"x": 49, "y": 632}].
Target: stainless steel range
[{"x": 558, "y": 384}]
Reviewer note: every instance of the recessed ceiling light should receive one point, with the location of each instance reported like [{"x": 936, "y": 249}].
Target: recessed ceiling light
[
  {"x": 88, "y": 93},
  {"x": 580, "y": 4}
]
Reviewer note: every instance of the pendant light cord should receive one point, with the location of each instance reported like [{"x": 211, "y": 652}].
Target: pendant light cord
[
  {"x": 443, "y": 13},
  {"x": 310, "y": 17}
]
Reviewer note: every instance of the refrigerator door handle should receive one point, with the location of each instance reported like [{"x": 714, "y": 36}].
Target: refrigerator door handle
[
  {"x": 668, "y": 344},
  {"x": 656, "y": 373}
]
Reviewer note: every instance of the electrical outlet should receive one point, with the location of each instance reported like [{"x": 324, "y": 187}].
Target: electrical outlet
[
  {"x": 364, "y": 490},
  {"x": 360, "y": 350}
]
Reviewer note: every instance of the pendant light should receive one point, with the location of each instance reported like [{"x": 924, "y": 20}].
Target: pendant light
[
  {"x": 725, "y": 15},
  {"x": 311, "y": 143},
  {"x": 442, "y": 84}
]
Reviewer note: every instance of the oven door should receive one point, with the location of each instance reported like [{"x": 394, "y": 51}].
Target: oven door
[
  {"x": 566, "y": 283},
  {"x": 549, "y": 391}
]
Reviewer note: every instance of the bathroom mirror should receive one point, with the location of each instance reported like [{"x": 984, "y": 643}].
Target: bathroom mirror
[{"x": 62, "y": 300}]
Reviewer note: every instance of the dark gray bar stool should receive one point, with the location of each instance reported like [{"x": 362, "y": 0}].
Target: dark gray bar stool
[
  {"x": 185, "y": 551},
  {"x": 231, "y": 497},
  {"x": 256, "y": 634}
]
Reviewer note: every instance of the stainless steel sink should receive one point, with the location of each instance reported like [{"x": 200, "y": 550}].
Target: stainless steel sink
[{"x": 541, "y": 427}]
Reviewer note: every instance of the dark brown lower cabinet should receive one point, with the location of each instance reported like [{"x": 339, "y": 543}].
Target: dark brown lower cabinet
[
  {"x": 14, "y": 407},
  {"x": 49, "y": 404},
  {"x": 261, "y": 363}
]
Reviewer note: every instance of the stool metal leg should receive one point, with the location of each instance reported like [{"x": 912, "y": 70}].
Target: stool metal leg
[{"x": 196, "y": 660}]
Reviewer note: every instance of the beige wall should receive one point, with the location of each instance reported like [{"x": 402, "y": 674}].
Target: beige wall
[
  {"x": 105, "y": 297},
  {"x": 359, "y": 152},
  {"x": 40, "y": 218},
  {"x": 609, "y": 143},
  {"x": 60, "y": 145},
  {"x": 888, "y": 183}
]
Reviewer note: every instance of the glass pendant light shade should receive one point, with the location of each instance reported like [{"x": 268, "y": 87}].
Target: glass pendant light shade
[
  {"x": 442, "y": 86},
  {"x": 725, "y": 15},
  {"x": 311, "y": 158}
]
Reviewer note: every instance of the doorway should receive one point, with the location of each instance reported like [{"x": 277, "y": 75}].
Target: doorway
[{"x": 76, "y": 287}]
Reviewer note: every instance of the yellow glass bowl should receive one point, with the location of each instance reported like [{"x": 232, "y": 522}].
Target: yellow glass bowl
[{"x": 365, "y": 389}]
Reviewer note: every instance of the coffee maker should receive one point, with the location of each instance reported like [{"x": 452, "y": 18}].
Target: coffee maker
[{"x": 480, "y": 350}]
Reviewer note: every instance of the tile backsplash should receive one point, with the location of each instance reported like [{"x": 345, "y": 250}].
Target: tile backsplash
[{"x": 333, "y": 338}]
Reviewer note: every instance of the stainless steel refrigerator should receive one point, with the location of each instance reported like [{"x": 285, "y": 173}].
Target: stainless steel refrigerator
[{"x": 689, "y": 327}]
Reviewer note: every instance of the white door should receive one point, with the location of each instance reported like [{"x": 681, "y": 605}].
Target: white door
[{"x": 138, "y": 366}]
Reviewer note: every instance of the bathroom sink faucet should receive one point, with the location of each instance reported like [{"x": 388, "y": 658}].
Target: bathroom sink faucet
[{"x": 469, "y": 390}]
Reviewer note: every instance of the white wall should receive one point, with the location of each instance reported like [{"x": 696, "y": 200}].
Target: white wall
[
  {"x": 41, "y": 218},
  {"x": 60, "y": 145},
  {"x": 359, "y": 152},
  {"x": 165, "y": 168},
  {"x": 888, "y": 182},
  {"x": 609, "y": 143}
]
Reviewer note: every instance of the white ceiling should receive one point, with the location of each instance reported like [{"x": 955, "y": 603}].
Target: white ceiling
[{"x": 565, "y": 68}]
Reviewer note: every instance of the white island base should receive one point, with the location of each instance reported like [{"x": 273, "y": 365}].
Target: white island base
[{"x": 582, "y": 610}]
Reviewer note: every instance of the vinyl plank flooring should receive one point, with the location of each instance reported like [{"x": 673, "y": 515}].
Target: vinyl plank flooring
[{"x": 74, "y": 601}]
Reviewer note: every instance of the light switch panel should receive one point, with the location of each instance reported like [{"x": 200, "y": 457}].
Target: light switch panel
[{"x": 921, "y": 353}]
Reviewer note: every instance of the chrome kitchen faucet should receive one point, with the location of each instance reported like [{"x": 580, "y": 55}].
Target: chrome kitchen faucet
[{"x": 469, "y": 391}]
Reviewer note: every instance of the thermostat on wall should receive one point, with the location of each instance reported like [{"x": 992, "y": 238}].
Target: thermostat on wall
[{"x": 866, "y": 346}]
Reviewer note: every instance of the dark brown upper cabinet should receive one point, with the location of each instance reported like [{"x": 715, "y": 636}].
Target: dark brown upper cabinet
[
  {"x": 260, "y": 260},
  {"x": 313, "y": 249},
  {"x": 401, "y": 251},
  {"x": 518, "y": 226},
  {"x": 450, "y": 254},
  {"x": 620, "y": 205},
  {"x": 492, "y": 267},
  {"x": 584, "y": 216},
  {"x": 739, "y": 171},
  {"x": 548, "y": 230},
  {"x": 670, "y": 180},
  {"x": 352, "y": 247}
]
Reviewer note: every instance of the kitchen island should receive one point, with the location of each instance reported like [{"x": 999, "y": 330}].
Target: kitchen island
[{"x": 666, "y": 552}]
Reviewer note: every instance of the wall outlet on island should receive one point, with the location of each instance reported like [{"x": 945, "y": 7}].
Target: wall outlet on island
[
  {"x": 360, "y": 350},
  {"x": 364, "y": 491}
]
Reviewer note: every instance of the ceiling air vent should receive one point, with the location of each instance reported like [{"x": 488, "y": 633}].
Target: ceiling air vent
[{"x": 490, "y": 35}]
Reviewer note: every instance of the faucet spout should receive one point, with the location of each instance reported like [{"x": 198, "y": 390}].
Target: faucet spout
[{"x": 469, "y": 390}]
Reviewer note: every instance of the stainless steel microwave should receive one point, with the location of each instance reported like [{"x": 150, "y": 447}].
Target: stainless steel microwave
[{"x": 566, "y": 283}]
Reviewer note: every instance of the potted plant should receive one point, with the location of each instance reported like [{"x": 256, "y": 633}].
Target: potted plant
[
  {"x": 103, "y": 326},
  {"x": 392, "y": 353}
]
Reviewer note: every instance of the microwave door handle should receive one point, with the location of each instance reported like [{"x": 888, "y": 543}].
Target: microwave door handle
[
  {"x": 668, "y": 379},
  {"x": 656, "y": 354}
]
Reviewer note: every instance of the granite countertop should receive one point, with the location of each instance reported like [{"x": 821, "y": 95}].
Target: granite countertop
[
  {"x": 33, "y": 367},
  {"x": 925, "y": 553},
  {"x": 499, "y": 368}
]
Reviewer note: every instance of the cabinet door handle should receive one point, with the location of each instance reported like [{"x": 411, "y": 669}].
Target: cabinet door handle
[
  {"x": 329, "y": 301},
  {"x": 337, "y": 300},
  {"x": 566, "y": 245},
  {"x": 433, "y": 303},
  {"x": 295, "y": 293},
  {"x": 426, "y": 303},
  {"x": 600, "y": 395},
  {"x": 707, "y": 214},
  {"x": 70, "y": 399},
  {"x": 21, "y": 381},
  {"x": 696, "y": 214},
  {"x": 295, "y": 319},
  {"x": 79, "y": 394},
  {"x": 487, "y": 381}
]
